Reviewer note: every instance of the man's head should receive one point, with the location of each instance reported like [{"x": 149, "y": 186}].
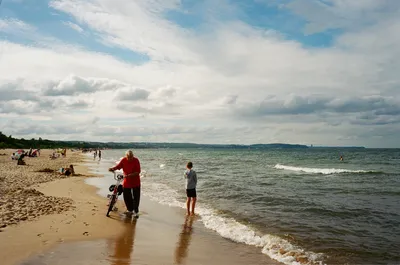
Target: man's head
[
  {"x": 129, "y": 154},
  {"x": 189, "y": 165}
]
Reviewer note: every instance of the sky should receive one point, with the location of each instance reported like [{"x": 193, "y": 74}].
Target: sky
[{"x": 320, "y": 72}]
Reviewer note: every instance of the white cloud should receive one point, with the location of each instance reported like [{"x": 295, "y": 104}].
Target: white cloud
[
  {"x": 12, "y": 25},
  {"x": 342, "y": 14},
  {"x": 132, "y": 94},
  {"x": 73, "y": 26},
  {"x": 210, "y": 80}
]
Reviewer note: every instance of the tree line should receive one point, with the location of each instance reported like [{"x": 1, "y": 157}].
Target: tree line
[{"x": 11, "y": 142}]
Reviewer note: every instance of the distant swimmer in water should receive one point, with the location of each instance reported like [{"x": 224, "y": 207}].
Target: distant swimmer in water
[{"x": 341, "y": 158}]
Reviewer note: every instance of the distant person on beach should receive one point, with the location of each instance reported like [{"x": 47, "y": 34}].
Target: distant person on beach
[
  {"x": 341, "y": 158},
  {"x": 21, "y": 160},
  {"x": 94, "y": 155},
  {"x": 99, "y": 155},
  {"x": 67, "y": 171},
  {"x": 191, "y": 183},
  {"x": 130, "y": 165}
]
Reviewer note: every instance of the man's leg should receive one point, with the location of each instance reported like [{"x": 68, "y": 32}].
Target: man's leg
[
  {"x": 128, "y": 198},
  {"x": 136, "y": 199}
]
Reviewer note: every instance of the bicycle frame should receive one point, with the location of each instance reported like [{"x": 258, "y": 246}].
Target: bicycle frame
[{"x": 114, "y": 196}]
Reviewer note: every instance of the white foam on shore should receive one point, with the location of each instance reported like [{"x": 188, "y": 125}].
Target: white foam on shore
[
  {"x": 325, "y": 171},
  {"x": 273, "y": 246}
]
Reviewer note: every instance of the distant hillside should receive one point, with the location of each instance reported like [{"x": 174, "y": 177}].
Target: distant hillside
[{"x": 10, "y": 142}]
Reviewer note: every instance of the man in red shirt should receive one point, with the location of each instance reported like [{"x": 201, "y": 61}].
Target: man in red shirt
[{"x": 130, "y": 165}]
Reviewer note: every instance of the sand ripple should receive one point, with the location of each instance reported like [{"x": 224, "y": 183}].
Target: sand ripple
[{"x": 18, "y": 200}]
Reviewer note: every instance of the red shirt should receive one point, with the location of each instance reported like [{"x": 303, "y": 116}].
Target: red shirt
[{"x": 128, "y": 167}]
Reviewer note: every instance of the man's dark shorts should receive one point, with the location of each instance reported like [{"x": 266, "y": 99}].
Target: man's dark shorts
[{"x": 191, "y": 193}]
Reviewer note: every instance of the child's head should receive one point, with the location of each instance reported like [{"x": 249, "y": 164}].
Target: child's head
[{"x": 189, "y": 165}]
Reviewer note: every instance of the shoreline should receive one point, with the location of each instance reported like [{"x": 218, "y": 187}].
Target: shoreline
[{"x": 84, "y": 233}]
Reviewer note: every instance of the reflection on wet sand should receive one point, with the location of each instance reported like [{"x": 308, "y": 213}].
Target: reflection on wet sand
[
  {"x": 184, "y": 240},
  {"x": 123, "y": 249}
]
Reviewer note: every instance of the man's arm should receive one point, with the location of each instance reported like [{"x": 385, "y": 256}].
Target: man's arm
[{"x": 119, "y": 166}]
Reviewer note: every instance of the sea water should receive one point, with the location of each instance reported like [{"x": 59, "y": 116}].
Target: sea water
[{"x": 294, "y": 205}]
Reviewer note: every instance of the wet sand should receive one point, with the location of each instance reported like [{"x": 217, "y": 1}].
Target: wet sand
[{"x": 162, "y": 235}]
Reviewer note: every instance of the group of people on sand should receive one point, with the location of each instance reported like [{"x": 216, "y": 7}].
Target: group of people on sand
[
  {"x": 95, "y": 154},
  {"x": 21, "y": 154},
  {"x": 57, "y": 153},
  {"x": 130, "y": 166}
]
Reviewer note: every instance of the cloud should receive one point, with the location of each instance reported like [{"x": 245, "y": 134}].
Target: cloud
[
  {"x": 25, "y": 107},
  {"x": 79, "y": 104},
  {"x": 163, "y": 93},
  {"x": 75, "y": 85},
  {"x": 12, "y": 25},
  {"x": 73, "y": 26},
  {"x": 322, "y": 15},
  {"x": 222, "y": 73},
  {"x": 132, "y": 94},
  {"x": 305, "y": 105},
  {"x": 14, "y": 90}
]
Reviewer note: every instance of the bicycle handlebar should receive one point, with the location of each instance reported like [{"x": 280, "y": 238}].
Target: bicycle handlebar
[{"x": 118, "y": 176}]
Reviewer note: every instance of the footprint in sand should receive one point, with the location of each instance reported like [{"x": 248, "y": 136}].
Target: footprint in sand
[{"x": 85, "y": 233}]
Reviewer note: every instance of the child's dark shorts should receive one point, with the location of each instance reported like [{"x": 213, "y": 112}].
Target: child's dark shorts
[{"x": 191, "y": 193}]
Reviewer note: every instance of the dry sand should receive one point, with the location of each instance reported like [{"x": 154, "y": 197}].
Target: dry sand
[{"x": 38, "y": 210}]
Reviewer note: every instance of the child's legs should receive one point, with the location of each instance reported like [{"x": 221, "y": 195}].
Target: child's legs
[
  {"x": 188, "y": 204},
  {"x": 194, "y": 199}
]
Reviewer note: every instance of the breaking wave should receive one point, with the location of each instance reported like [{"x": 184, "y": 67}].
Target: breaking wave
[
  {"x": 325, "y": 171},
  {"x": 275, "y": 247}
]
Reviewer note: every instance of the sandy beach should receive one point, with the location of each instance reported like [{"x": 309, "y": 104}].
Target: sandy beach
[
  {"x": 52, "y": 219},
  {"x": 38, "y": 210}
]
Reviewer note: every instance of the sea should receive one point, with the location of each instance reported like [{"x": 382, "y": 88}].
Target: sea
[{"x": 287, "y": 202}]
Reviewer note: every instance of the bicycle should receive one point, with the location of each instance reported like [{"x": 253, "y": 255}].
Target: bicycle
[{"x": 116, "y": 190}]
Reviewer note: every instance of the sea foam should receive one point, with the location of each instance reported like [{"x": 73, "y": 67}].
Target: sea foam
[
  {"x": 275, "y": 247},
  {"x": 325, "y": 171}
]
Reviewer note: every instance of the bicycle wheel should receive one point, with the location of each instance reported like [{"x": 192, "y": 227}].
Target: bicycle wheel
[{"x": 112, "y": 202}]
